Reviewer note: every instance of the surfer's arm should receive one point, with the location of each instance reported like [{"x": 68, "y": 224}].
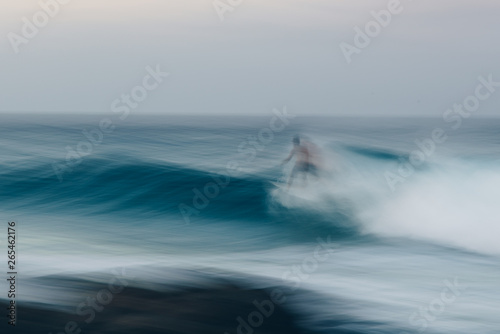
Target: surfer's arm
[{"x": 292, "y": 152}]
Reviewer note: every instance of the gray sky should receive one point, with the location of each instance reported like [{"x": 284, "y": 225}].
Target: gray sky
[{"x": 264, "y": 54}]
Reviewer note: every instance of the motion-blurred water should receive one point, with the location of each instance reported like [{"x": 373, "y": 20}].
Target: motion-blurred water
[{"x": 398, "y": 248}]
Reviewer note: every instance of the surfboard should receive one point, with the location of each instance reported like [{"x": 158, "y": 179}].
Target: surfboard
[
  {"x": 280, "y": 185},
  {"x": 289, "y": 197}
]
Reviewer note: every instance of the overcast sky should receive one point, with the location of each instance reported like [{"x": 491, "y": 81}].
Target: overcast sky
[{"x": 264, "y": 54}]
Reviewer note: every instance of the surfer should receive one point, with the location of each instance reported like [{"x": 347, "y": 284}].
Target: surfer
[{"x": 306, "y": 159}]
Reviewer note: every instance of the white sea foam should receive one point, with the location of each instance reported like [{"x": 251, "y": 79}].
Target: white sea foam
[{"x": 453, "y": 202}]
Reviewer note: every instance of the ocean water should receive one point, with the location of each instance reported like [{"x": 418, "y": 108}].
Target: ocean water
[{"x": 406, "y": 210}]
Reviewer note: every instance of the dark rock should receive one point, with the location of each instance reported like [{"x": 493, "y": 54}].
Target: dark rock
[{"x": 206, "y": 310}]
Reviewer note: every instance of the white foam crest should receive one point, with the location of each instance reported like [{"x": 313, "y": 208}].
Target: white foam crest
[
  {"x": 456, "y": 205},
  {"x": 454, "y": 202}
]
